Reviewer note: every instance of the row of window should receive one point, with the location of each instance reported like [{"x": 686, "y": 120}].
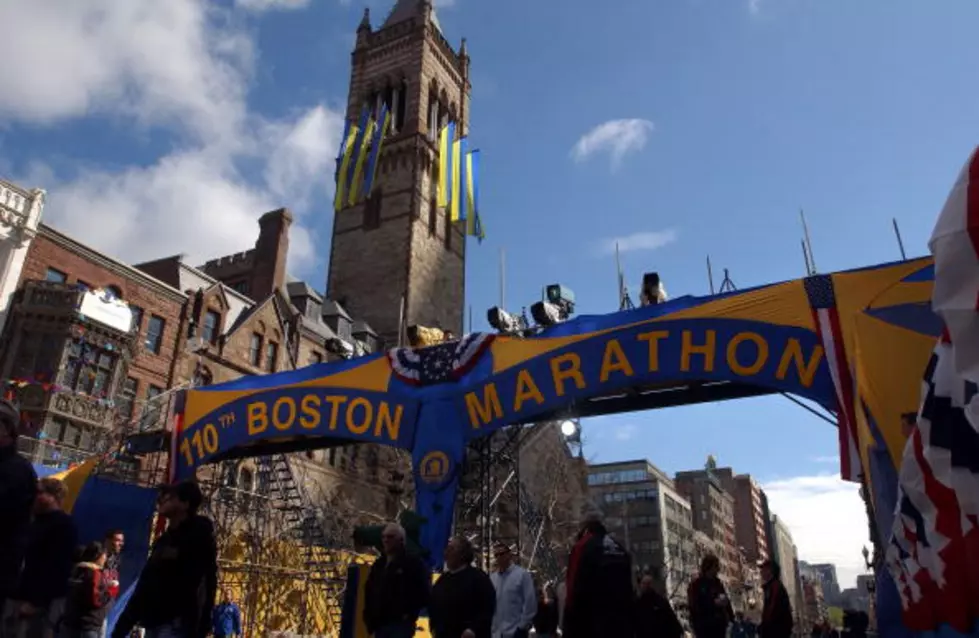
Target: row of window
[
  {"x": 620, "y": 476},
  {"x": 632, "y": 495},
  {"x": 632, "y": 521}
]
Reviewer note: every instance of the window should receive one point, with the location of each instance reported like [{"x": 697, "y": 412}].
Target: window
[
  {"x": 315, "y": 357},
  {"x": 240, "y": 286},
  {"x": 154, "y": 334},
  {"x": 137, "y": 318},
  {"x": 212, "y": 324},
  {"x": 152, "y": 409},
  {"x": 88, "y": 368},
  {"x": 271, "y": 353},
  {"x": 114, "y": 292},
  {"x": 255, "y": 350},
  {"x": 84, "y": 285},
  {"x": 37, "y": 354},
  {"x": 126, "y": 400},
  {"x": 55, "y": 276}
]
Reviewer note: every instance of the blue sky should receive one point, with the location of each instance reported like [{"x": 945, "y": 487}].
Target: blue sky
[{"x": 172, "y": 127}]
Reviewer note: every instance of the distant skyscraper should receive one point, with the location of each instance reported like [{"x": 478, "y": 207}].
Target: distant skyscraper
[{"x": 826, "y": 572}]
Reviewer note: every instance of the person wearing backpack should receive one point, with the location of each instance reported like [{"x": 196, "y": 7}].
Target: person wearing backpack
[{"x": 89, "y": 594}]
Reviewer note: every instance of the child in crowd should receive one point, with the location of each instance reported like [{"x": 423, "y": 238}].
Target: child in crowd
[{"x": 88, "y": 596}]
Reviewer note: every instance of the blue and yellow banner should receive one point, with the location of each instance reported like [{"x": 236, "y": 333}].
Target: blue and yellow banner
[
  {"x": 458, "y": 183},
  {"x": 359, "y": 157},
  {"x": 434, "y": 400}
]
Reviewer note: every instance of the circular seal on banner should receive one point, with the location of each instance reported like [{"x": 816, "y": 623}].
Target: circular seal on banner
[{"x": 434, "y": 467}]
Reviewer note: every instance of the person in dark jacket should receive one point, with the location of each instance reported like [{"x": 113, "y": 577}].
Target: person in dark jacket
[
  {"x": 654, "y": 614},
  {"x": 600, "y": 594},
  {"x": 710, "y": 607},
  {"x": 397, "y": 588},
  {"x": 547, "y": 617},
  {"x": 18, "y": 486},
  {"x": 48, "y": 562},
  {"x": 175, "y": 593},
  {"x": 88, "y": 596},
  {"x": 226, "y": 619},
  {"x": 463, "y": 599},
  {"x": 776, "y": 615}
]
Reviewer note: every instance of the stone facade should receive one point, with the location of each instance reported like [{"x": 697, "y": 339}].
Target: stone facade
[
  {"x": 20, "y": 214},
  {"x": 395, "y": 251}
]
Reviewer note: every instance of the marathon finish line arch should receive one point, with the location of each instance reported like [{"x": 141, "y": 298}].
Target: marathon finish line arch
[{"x": 855, "y": 342}]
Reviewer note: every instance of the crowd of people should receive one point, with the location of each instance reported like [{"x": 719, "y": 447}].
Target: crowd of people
[
  {"x": 50, "y": 587},
  {"x": 599, "y": 598}
]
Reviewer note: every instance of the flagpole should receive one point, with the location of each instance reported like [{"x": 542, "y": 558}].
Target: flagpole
[
  {"x": 805, "y": 258},
  {"x": 618, "y": 272},
  {"x": 805, "y": 230},
  {"x": 900, "y": 243},
  {"x": 502, "y": 278},
  {"x": 710, "y": 275}
]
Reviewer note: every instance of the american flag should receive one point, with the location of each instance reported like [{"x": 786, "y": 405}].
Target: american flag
[
  {"x": 939, "y": 488},
  {"x": 822, "y": 301},
  {"x": 440, "y": 363}
]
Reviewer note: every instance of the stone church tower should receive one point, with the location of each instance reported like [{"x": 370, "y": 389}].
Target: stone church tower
[{"x": 397, "y": 245}]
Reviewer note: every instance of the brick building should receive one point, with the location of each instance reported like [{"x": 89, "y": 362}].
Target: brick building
[
  {"x": 91, "y": 374},
  {"x": 713, "y": 514},
  {"x": 89, "y": 338},
  {"x": 397, "y": 248},
  {"x": 750, "y": 531}
]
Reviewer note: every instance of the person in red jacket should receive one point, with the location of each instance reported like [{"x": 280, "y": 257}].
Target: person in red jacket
[
  {"x": 599, "y": 585},
  {"x": 88, "y": 596}
]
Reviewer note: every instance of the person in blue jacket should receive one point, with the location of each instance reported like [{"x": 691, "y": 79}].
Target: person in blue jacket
[{"x": 226, "y": 618}]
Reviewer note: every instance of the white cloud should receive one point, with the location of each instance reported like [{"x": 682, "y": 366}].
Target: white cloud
[
  {"x": 183, "y": 66},
  {"x": 646, "y": 240},
  {"x": 615, "y": 137},
  {"x": 754, "y": 6},
  {"x": 827, "y": 518},
  {"x": 829, "y": 460},
  {"x": 267, "y": 5},
  {"x": 625, "y": 432}
]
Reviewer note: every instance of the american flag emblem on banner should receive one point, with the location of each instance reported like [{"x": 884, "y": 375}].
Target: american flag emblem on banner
[
  {"x": 826, "y": 317},
  {"x": 440, "y": 363}
]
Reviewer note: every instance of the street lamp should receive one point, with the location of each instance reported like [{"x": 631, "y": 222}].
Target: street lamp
[
  {"x": 569, "y": 428},
  {"x": 866, "y": 558}
]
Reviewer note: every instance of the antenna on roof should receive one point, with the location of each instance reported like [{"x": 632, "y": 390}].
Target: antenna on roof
[
  {"x": 805, "y": 231},
  {"x": 900, "y": 244},
  {"x": 727, "y": 285},
  {"x": 710, "y": 275},
  {"x": 805, "y": 258},
  {"x": 625, "y": 303}
]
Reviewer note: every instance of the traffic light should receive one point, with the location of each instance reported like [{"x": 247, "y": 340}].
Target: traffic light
[{"x": 370, "y": 535}]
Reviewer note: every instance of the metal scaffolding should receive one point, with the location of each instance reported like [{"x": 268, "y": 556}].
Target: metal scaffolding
[{"x": 495, "y": 506}]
